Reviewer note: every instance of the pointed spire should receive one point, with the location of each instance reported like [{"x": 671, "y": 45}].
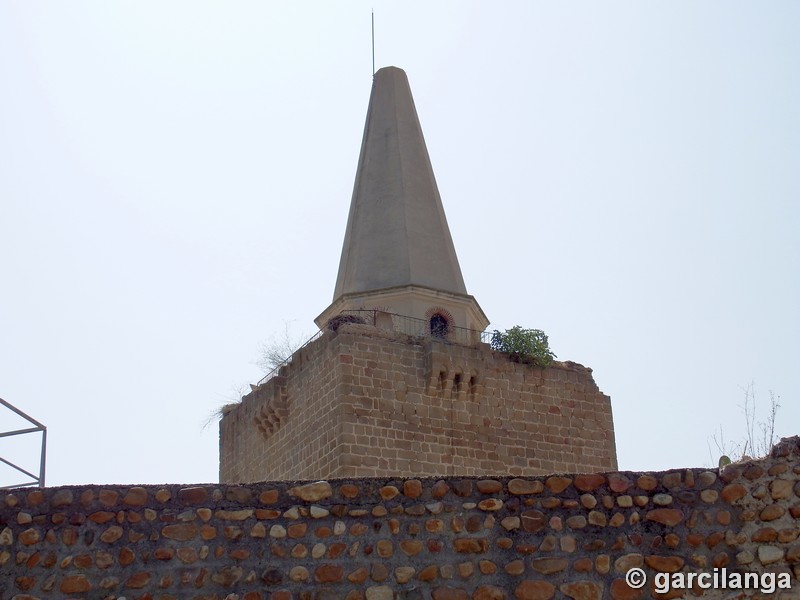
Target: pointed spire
[{"x": 397, "y": 234}]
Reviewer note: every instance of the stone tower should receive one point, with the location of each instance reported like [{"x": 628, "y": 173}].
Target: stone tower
[{"x": 399, "y": 381}]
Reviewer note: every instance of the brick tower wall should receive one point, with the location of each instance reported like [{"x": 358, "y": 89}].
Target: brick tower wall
[{"x": 366, "y": 402}]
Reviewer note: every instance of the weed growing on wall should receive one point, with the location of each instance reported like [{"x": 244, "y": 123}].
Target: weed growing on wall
[
  {"x": 760, "y": 435},
  {"x": 524, "y": 345}
]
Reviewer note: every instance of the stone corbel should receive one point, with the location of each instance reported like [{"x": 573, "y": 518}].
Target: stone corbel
[{"x": 275, "y": 407}]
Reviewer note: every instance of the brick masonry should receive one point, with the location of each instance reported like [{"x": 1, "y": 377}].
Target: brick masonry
[
  {"x": 556, "y": 537},
  {"x": 365, "y": 402}
]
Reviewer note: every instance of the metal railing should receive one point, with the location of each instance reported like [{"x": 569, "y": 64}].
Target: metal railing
[
  {"x": 38, "y": 427},
  {"x": 288, "y": 359},
  {"x": 421, "y": 328}
]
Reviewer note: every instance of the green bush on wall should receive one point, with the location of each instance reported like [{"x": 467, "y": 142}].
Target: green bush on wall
[{"x": 524, "y": 345}]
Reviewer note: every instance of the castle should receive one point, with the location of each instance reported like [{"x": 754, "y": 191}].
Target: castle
[
  {"x": 406, "y": 395},
  {"x": 400, "y": 379}
]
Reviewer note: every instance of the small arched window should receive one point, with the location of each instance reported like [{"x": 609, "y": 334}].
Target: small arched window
[{"x": 439, "y": 326}]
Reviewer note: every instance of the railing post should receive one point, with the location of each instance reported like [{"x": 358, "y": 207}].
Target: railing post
[{"x": 43, "y": 458}]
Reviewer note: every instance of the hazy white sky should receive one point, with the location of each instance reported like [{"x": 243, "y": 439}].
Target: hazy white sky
[{"x": 175, "y": 179}]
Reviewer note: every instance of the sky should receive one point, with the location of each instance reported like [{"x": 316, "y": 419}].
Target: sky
[{"x": 175, "y": 179}]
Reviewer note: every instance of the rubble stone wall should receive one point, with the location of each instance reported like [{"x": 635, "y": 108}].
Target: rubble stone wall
[
  {"x": 365, "y": 402},
  {"x": 534, "y": 538}
]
